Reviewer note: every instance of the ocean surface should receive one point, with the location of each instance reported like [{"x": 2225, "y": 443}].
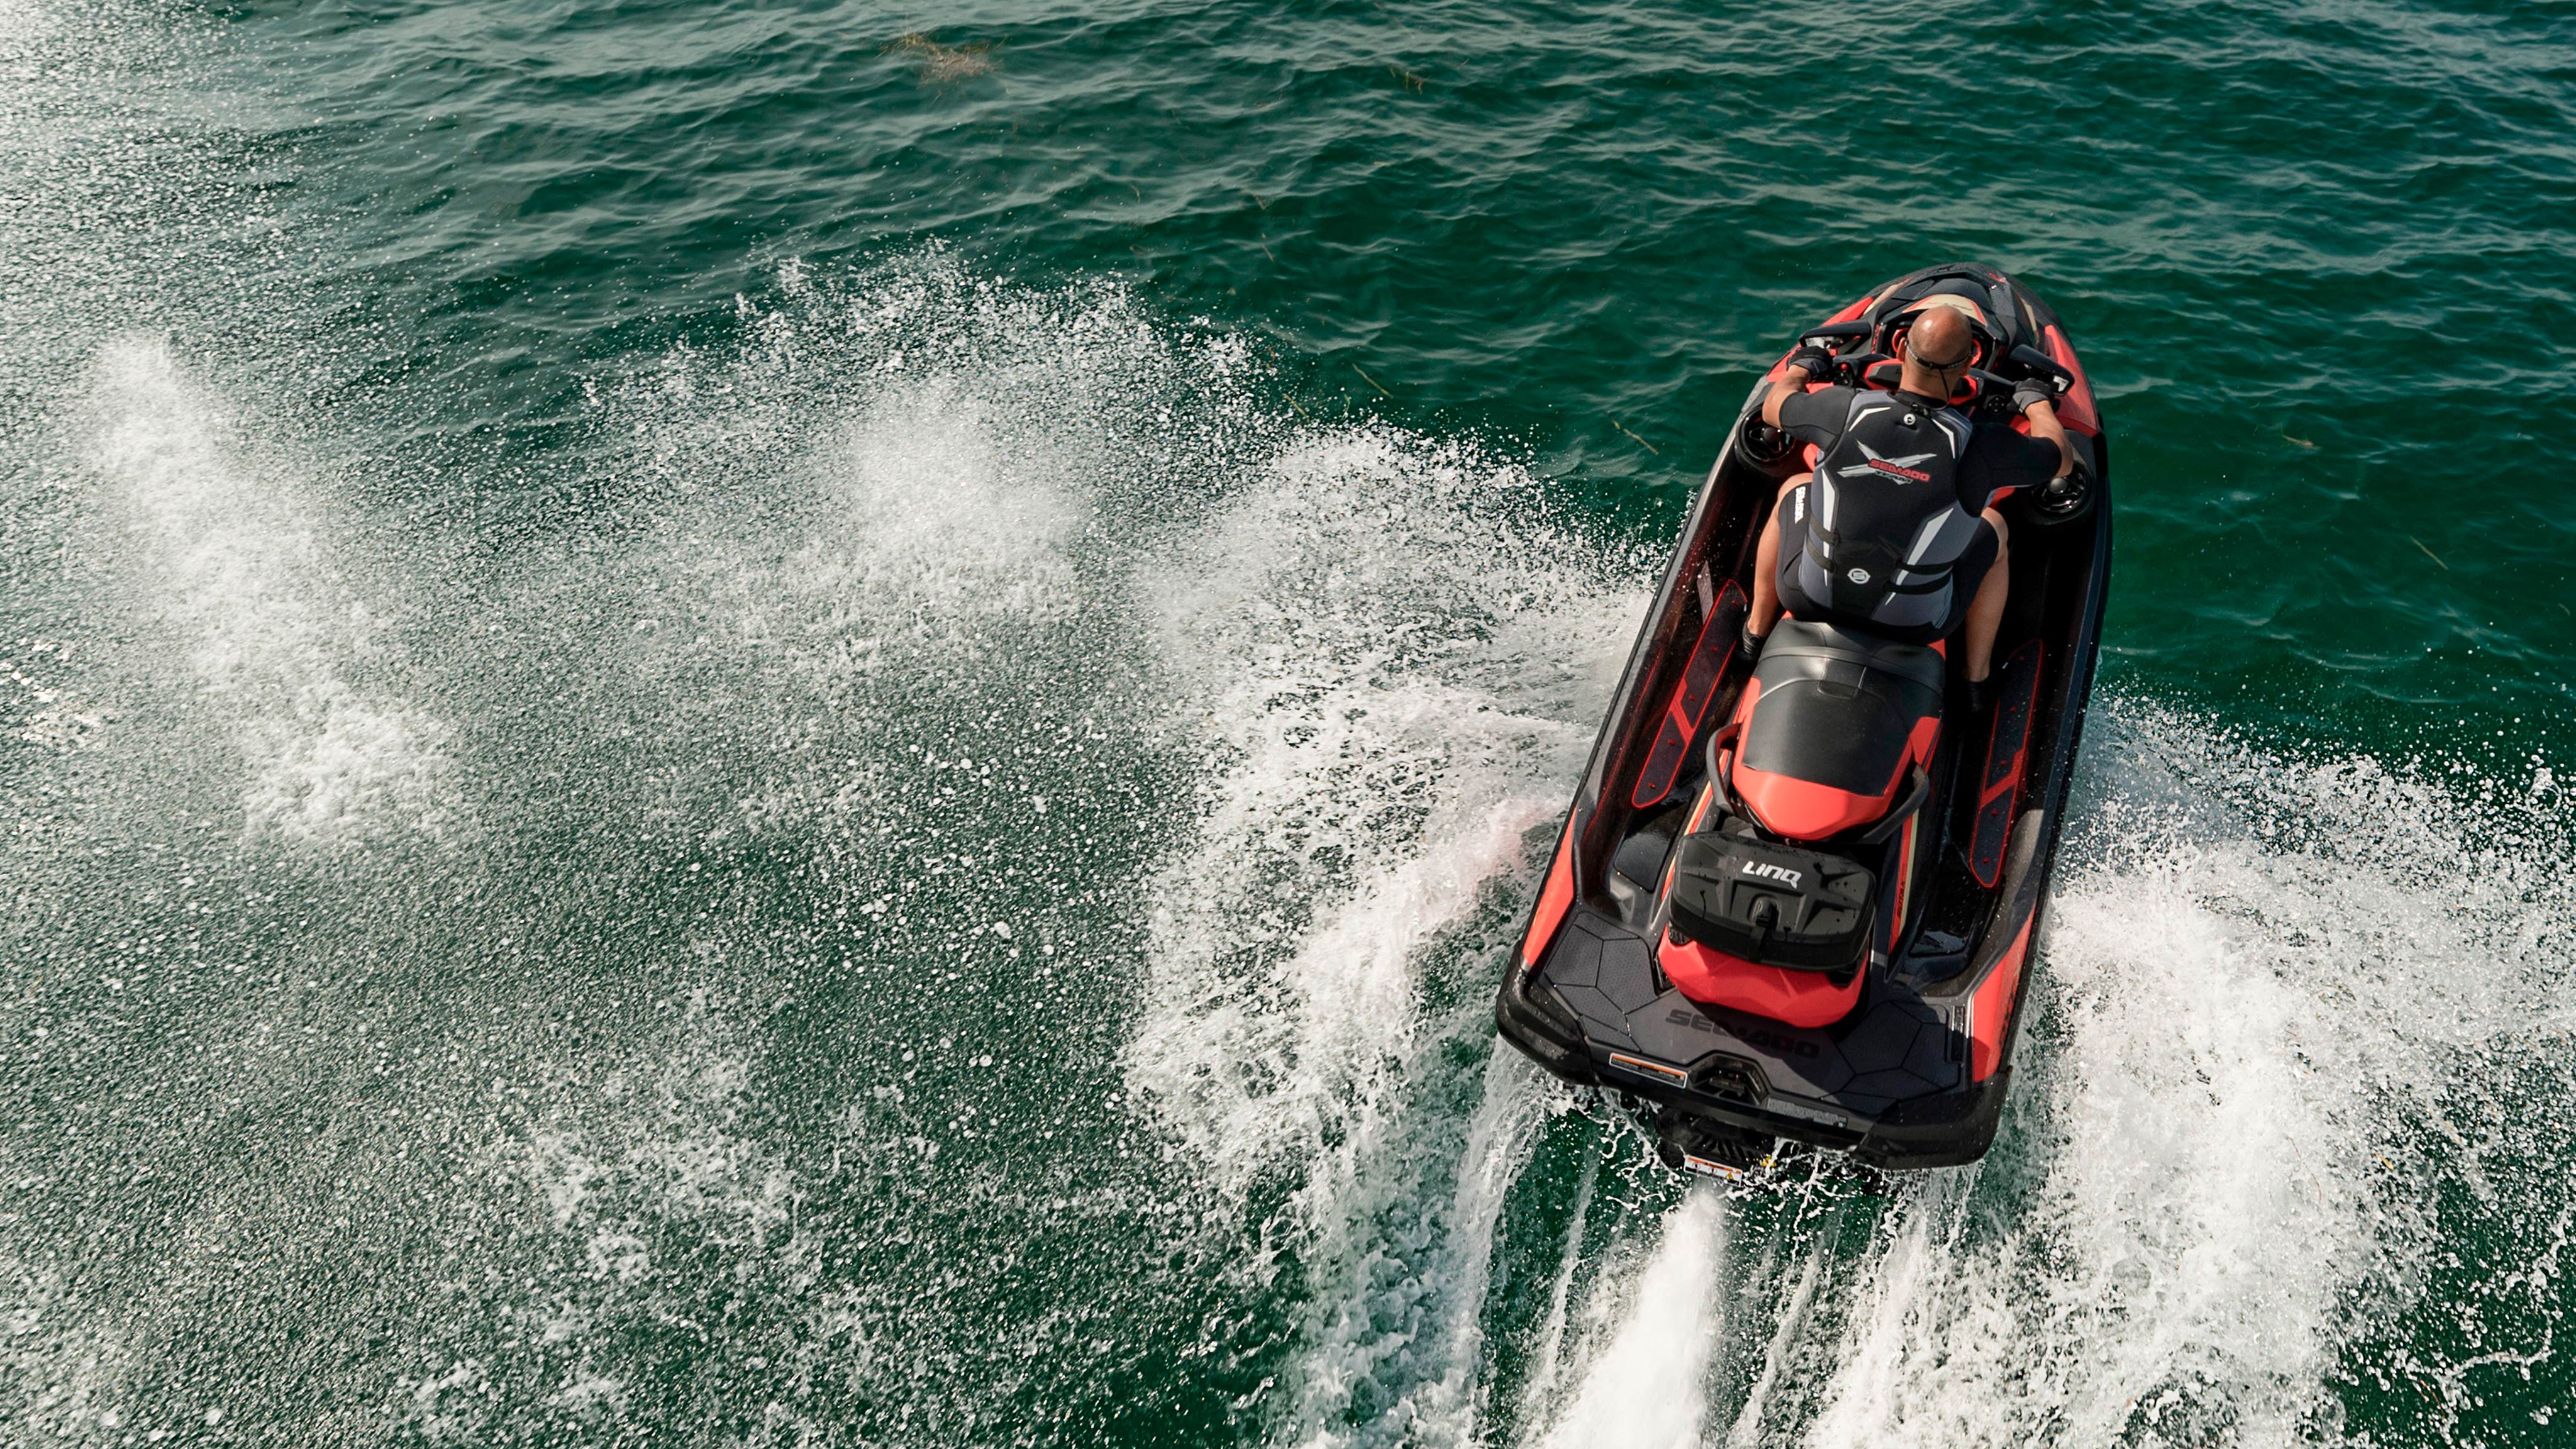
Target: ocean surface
[{"x": 815, "y": 725}]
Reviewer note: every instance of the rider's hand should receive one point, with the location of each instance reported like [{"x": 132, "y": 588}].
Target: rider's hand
[
  {"x": 2033, "y": 390},
  {"x": 1816, "y": 360}
]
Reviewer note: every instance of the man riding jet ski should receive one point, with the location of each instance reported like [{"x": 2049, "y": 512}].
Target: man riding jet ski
[
  {"x": 1906, "y": 542},
  {"x": 1797, "y": 890}
]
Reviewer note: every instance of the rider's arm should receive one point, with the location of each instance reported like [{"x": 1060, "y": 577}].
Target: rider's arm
[
  {"x": 2045, "y": 426},
  {"x": 1792, "y": 383}
]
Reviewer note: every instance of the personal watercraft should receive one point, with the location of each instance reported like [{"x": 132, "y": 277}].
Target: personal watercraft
[{"x": 1794, "y": 900}]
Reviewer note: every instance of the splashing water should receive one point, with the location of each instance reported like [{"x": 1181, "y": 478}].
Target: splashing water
[
  {"x": 274, "y": 641},
  {"x": 928, "y": 866},
  {"x": 1074, "y": 772},
  {"x": 1383, "y": 669}
]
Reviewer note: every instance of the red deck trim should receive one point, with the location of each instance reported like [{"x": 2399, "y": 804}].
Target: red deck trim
[
  {"x": 1990, "y": 1009},
  {"x": 1692, "y": 695}
]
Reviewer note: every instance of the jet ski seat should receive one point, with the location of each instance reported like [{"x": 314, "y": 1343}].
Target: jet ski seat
[{"x": 1829, "y": 726}]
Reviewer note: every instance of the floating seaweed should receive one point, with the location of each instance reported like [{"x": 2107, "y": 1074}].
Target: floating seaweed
[{"x": 940, "y": 64}]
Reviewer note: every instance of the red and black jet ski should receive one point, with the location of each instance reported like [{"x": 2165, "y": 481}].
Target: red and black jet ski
[{"x": 1790, "y": 902}]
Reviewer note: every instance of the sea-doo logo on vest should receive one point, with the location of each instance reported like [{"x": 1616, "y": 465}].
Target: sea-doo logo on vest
[
  {"x": 1858, "y": 576},
  {"x": 1893, "y": 467},
  {"x": 1768, "y": 871}
]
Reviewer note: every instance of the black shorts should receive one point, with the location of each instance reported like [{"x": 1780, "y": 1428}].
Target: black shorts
[{"x": 1965, "y": 576}]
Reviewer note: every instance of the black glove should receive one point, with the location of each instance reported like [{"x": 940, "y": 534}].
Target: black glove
[
  {"x": 2033, "y": 389},
  {"x": 1817, "y": 361}
]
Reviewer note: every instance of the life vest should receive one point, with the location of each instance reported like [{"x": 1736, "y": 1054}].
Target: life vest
[{"x": 1884, "y": 525}]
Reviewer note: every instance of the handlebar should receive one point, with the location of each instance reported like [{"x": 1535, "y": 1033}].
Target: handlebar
[
  {"x": 2038, "y": 361},
  {"x": 1845, "y": 331},
  {"x": 1856, "y": 364}
]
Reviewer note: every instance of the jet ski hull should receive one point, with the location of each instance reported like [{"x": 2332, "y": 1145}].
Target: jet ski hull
[{"x": 1916, "y": 1071}]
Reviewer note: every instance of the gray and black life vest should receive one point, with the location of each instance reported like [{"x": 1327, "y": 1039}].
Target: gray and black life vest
[{"x": 1884, "y": 525}]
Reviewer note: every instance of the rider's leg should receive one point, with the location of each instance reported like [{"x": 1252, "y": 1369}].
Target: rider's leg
[
  {"x": 1766, "y": 567},
  {"x": 1986, "y": 610}
]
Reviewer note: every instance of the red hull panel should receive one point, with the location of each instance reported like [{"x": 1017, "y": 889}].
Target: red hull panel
[
  {"x": 2076, "y": 409},
  {"x": 1553, "y": 899},
  {"x": 1797, "y": 998}
]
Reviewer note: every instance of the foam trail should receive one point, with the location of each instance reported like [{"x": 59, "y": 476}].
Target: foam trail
[
  {"x": 1443, "y": 1410},
  {"x": 1550, "y": 1354},
  {"x": 1644, "y": 1388},
  {"x": 2193, "y": 1242},
  {"x": 1338, "y": 1016},
  {"x": 332, "y": 763},
  {"x": 1356, "y": 1025},
  {"x": 1746, "y": 1431}
]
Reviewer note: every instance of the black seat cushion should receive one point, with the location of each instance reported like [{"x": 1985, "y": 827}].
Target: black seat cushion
[{"x": 1837, "y": 707}]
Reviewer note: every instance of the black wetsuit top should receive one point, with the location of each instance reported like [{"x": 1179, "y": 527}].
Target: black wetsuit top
[
  {"x": 1997, "y": 459},
  {"x": 1889, "y": 522}
]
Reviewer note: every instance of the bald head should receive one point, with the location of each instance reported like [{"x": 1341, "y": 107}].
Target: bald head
[{"x": 1939, "y": 336}]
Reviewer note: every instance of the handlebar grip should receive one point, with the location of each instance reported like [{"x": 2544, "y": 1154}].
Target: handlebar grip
[{"x": 2038, "y": 361}]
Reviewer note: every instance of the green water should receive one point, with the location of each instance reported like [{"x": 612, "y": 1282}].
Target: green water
[{"x": 821, "y": 725}]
